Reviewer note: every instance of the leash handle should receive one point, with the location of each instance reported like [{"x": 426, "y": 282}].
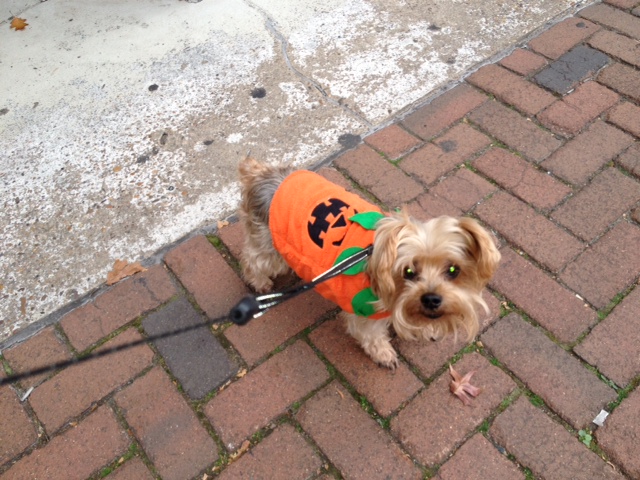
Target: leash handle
[{"x": 252, "y": 307}]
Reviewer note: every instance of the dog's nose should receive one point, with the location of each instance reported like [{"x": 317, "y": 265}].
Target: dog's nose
[{"x": 431, "y": 301}]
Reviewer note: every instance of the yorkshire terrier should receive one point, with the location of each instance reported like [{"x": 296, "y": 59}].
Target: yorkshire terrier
[{"x": 423, "y": 278}]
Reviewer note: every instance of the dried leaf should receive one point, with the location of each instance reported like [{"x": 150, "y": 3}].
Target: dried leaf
[
  {"x": 18, "y": 23},
  {"x": 123, "y": 269},
  {"x": 461, "y": 387},
  {"x": 242, "y": 373},
  {"x": 222, "y": 224},
  {"x": 243, "y": 448}
]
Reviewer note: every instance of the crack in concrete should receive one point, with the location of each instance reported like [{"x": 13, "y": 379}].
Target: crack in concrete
[{"x": 270, "y": 25}]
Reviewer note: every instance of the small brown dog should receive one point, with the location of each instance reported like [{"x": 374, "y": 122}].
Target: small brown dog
[{"x": 423, "y": 278}]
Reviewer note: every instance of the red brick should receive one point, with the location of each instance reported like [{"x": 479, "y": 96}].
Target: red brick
[
  {"x": 386, "y": 390},
  {"x": 623, "y": 79},
  {"x": 77, "y": 453},
  {"x": 194, "y": 262},
  {"x": 434, "y": 160},
  {"x": 428, "y": 356},
  {"x": 547, "y": 302},
  {"x": 478, "y": 459},
  {"x": 263, "y": 334},
  {"x": 464, "y": 189},
  {"x": 612, "y": 346},
  {"x": 583, "y": 156},
  {"x": 516, "y": 131},
  {"x": 39, "y": 351},
  {"x": 524, "y": 62},
  {"x": 630, "y": 160},
  {"x": 336, "y": 423},
  {"x": 617, "y": 45},
  {"x": 436, "y": 421},
  {"x": 380, "y": 177},
  {"x": 613, "y": 18},
  {"x": 522, "y": 225},
  {"x": 16, "y": 430},
  {"x": 428, "y": 206},
  {"x": 512, "y": 89},
  {"x": 608, "y": 267},
  {"x": 599, "y": 204},
  {"x": 522, "y": 178},
  {"x": 133, "y": 469},
  {"x": 233, "y": 238},
  {"x": 283, "y": 455},
  {"x": 76, "y": 388},
  {"x": 546, "y": 447},
  {"x": 393, "y": 141},
  {"x": 562, "y": 37},
  {"x": 264, "y": 393},
  {"x": 625, "y": 4},
  {"x": 615, "y": 437},
  {"x": 580, "y": 107},
  {"x": 170, "y": 433},
  {"x": 444, "y": 111},
  {"x": 120, "y": 305},
  {"x": 336, "y": 177},
  {"x": 627, "y": 117},
  {"x": 572, "y": 391}
]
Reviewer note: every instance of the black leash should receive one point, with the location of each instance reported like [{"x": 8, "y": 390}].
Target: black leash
[
  {"x": 246, "y": 309},
  {"x": 101, "y": 353}
]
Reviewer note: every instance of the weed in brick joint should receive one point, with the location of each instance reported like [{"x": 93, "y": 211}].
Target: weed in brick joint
[
  {"x": 484, "y": 426},
  {"x": 615, "y": 301},
  {"x": 5, "y": 366},
  {"x": 535, "y": 400},
  {"x": 131, "y": 452},
  {"x": 509, "y": 399},
  {"x": 585, "y": 437},
  {"x": 623, "y": 394}
]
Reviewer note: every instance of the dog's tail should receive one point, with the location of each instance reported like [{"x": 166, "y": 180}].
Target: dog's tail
[
  {"x": 250, "y": 169},
  {"x": 259, "y": 182}
]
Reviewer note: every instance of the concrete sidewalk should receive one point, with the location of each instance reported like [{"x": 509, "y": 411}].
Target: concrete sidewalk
[
  {"x": 543, "y": 147},
  {"x": 121, "y": 123}
]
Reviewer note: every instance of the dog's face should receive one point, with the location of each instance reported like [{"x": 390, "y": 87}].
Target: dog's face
[{"x": 430, "y": 275}]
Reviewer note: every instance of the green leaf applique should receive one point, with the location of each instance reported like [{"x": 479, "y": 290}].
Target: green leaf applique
[
  {"x": 362, "y": 302},
  {"x": 358, "y": 267},
  {"x": 367, "y": 220}
]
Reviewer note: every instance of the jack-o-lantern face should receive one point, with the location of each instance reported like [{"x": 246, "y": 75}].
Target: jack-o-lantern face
[{"x": 329, "y": 221}]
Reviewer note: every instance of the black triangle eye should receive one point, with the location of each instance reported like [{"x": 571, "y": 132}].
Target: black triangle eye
[
  {"x": 452, "y": 272},
  {"x": 409, "y": 273}
]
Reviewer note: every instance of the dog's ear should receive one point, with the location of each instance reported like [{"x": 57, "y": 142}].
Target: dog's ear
[
  {"x": 482, "y": 248},
  {"x": 385, "y": 253}
]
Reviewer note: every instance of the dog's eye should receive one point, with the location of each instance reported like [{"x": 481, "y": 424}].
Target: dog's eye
[
  {"x": 452, "y": 272},
  {"x": 409, "y": 273}
]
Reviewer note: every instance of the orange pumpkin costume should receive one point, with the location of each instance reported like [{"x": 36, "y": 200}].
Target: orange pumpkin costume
[{"x": 312, "y": 223}]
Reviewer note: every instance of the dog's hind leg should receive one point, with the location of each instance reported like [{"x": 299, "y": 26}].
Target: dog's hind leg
[{"x": 260, "y": 261}]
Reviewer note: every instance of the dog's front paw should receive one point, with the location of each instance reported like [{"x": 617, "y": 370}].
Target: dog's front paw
[
  {"x": 383, "y": 354},
  {"x": 264, "y": 286},
  {"x": 260, "y": 283}
]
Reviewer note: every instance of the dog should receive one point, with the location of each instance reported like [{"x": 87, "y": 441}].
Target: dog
[{"x": 424, "y": 279}]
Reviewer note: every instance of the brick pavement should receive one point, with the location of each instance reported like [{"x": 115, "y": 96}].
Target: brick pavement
[{"x": 544, "y": 148}]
